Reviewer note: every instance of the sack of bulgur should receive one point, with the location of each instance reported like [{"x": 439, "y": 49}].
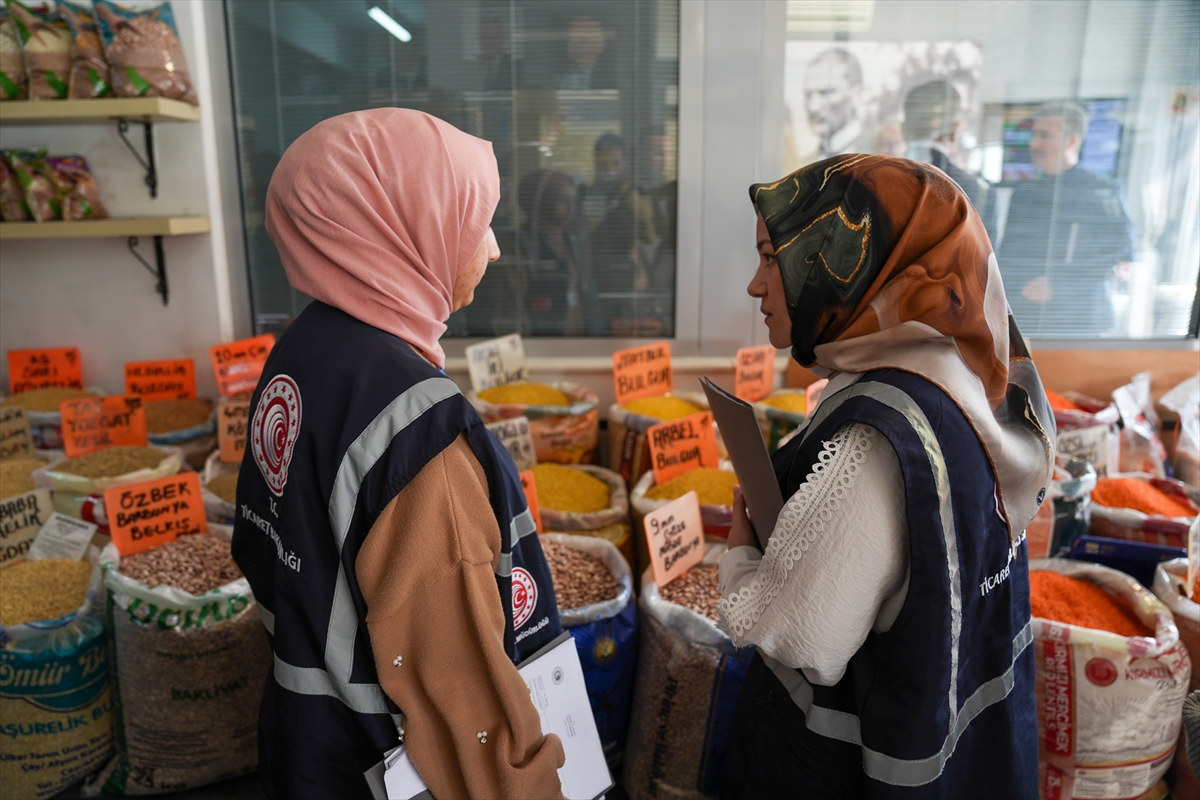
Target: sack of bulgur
[
  {"x": 780, "y": 414},
  {"x": 628, "y": 450},
  {"x": 41, "y": 408},
  {"x": 713, "y": 487},
  {"x": 688, "y": 679},
  {"x": 55, "y": 714},
  {"x": 190, "y": 659},
  {"x": 594, "y": 587},
  {"x": 1170, "y": 586},
  {"x": 1111, "y": 675},
  {"x": 586, "y": 500},
  {"x": 219, "y": 489},
  {"x": 79, "y": 483},
  {"x": 564, "y": 417},
  {"x": 189, "y": 424},
  {"x": 1140, "y": 507}
]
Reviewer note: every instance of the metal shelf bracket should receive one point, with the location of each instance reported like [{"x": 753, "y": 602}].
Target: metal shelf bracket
[
  {"x": 158, "y": 270},
  {"x": 146, "y": 162}
]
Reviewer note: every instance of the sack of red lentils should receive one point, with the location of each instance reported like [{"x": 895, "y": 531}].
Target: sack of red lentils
[
  {"x": 1109, "y": 693},
  {"x": 1140, "y": 507},
  {"x": 564, "y": 417},
  {"x": 1170, "y": 586}
]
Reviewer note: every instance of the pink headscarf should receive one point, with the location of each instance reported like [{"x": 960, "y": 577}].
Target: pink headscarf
[{"x": 378, "y": 212}]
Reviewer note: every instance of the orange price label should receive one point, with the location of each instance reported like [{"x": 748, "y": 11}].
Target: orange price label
[
  {"x": 675, "y": 538},
  {"x": 38, "y": 369},
  {"x": 161, "y": 380},
  {"x": 233, "y": 420},
  {"x": 91, "y": 423},
  {"x": 755, "y": 375},
  {"x": 529, "y": 486},
  {"x": 145, "y": 515},
  {"x": 682, "y": 444},
  {"x": 238, "y": 365},
  {"x": 643, "y": 371}
]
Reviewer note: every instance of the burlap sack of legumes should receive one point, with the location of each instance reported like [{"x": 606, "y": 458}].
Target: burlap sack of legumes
[
  {"x": 605, "y": 635},
  {"x": 565, "y": 428},
  {"x": 55, "y": 709},
  {"x": 1108, "y": 705},
  {"x": 189, "y": 672},
  {"x": 688, "y": 680},
  {"x": 1135, "y": 526},
  {"x": 628, "y": 450},
  {"x": 611, "y": 524}
]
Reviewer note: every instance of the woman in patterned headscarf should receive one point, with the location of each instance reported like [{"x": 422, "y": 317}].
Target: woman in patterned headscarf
[{"x": 891, "y": 605}]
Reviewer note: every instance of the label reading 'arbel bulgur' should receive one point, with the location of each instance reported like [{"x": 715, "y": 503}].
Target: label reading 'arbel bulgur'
[
  {"x": 682, "y": 445},
  {"x": 146, "y": 515}
]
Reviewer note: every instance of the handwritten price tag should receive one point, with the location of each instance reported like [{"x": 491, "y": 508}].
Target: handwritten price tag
[
  {"x": 755, "y": 375},
  {"x": 238, "y": 365},
  {"x": 529, "y": 486},
  {"x": 515, "y": 436},
  {"x": 90, "y": 423},
  {"x": 233, "y": 419},
  {"x": 145, "y": 515},
  {"x": 643, "y": 371},
  {"x": 496, "y": 362},
  {"x": 21, "y": 517},
  {"x": 681, "y": 445},
  {"x": 675, "y": 537},
  {"x": 161, "y": 380},
  {"x": 38, "y": 369},
  {"x": 15, "y": 438}
]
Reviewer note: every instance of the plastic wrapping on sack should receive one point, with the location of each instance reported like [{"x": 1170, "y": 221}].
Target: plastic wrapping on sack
[
  {"x": 14, "y": 81},
  {"x": 776, "y": 423},
  {"x": 89, "y": 71},
  {"x": 611, "y": 523},
  {"x": 189, "y": 673},
  {"x": 1108, "y": 705},
  {"x": 55, "y": 709},
  {"x": 1071, "y": 493},
  {"x": 606, "y": 637},
  {"x": 1134, "y": 526},
  {"x": 688, "y": 680},
  {"x": 1170, "y": 586},
  {"x": 1184, "y": 400},
  {"x": 561, "y": 434},
  {"x": 12, "y": 196},
  {"x": 141, "y": 46},
  {"x": 628, "y": 450},
  {"x": 83, "y": 498},
  {"x": 217, "y": 509},
  {"x": 715, "y": 519},
  {"x": 46, "y": 46},
  {"x": 1141, "y": 447}
]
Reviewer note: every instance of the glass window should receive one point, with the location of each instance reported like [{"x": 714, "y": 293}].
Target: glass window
[
  {"x": 1073, "y": 126},
  {"x": 578, "y": 99}
]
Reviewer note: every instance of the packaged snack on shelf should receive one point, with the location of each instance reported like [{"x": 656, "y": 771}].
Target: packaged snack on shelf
[
  {"x": 77, "y": 195},
  {"x": 1140, "y": 507},
  {"x": 1184, "y": 400},
  {"x": 587, "y": 500},
  {"x": 564, "y": 417},
  {"x": 780, "y": 414},
  {"x": 1141, "y": 446},
  {"x": 12, "y": 196},
  {"x": 14, "y": 81},
  {"x": 46, "y": 45},
  {"x": 39, "y": 193},
  {"x": 1111, "y": 678},
  {"x": 89, "y": 70},
  {"x": 141, "y": 46}
]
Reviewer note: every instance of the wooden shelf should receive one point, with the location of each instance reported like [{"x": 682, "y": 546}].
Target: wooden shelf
[
  {"x": 97, "y": 228},
  {"x": 64, "y": 112}
]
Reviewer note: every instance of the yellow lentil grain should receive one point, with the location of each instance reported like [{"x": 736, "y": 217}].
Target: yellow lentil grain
[
  {"x": 164, "y": 416},
  {"x": 572, "y": 490},
  {"x": 793, "y": 403},
  {"x": 40, "y": 590},
  {"x": 526, "y": 394},
  {"x": 714, "y": 487},
  {"x": 224, "y": 487},
  {"x": 112, "y": 461},
  {"x": 16, "y": 475},
  {"x": 44, "y": 399},
  {"x": 661, "y": 408}
]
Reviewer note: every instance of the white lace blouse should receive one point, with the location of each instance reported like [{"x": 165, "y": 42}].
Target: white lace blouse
[{"x": 836, "y": 566}]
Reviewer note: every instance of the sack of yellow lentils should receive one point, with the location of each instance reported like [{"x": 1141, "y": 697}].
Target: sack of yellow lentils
[
  {"x": 55, "y": 713},
  {"x": 628, "y": 450},
  {"x": 564, "y": 417},
  {"x": 779, "y": 415},
  {"x": 714, "y": 489},
  {"x": 79, "y": 483},
  {"x": 585, "y": 500}
]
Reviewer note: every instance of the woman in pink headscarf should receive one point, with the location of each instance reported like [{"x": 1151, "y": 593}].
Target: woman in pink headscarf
[{"x": 382, "y": 528}]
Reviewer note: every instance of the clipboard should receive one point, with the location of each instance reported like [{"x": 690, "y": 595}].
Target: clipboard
[{"x": 748, "y": 452}]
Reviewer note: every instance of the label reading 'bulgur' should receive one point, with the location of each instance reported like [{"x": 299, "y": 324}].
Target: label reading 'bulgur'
[
  {"x": 682, "y": 445},
  {"x": 643, "y": 371},
  {"x": 755, "y": 375},
  {"x": 496, "y": 362}
]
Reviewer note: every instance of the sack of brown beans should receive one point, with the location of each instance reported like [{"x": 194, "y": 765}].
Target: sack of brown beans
[
  {"x": 187, "y": 423},
  {"x": 55, "y": 710},
  {"x": 688, "y": 679},
  {"x": 79, "y": 483},
  {"x": 190, "y": 658},
  {"x": 141, "y": 46},
  {"x": 594, "y": 588},
  {"x": 564, "y": 417},
  {"x": 219, "y": 489}
]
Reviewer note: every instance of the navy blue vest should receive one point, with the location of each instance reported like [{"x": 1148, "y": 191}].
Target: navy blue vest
[
  {"x": 941, "y": 705},
  {"x": 344, "y": 416}
]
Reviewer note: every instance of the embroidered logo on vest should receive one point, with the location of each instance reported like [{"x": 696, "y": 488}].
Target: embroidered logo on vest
[
  {"x": 524, "y": 596},
  {"x": 274, "y": 430}
]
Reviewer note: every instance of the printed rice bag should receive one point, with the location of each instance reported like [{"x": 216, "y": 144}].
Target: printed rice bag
[
  {"x": 89, "y": 70},
  {"x": 14, "y": 81},
  {"x": 46, "y": 44},
  {"x": 141, "y": 46}
]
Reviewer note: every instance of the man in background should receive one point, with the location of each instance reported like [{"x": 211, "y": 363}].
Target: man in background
[
  {"x": 1068, "y": 235},
  {"x": 586, "y": 41},
  {"x": 832, "y": 85}
]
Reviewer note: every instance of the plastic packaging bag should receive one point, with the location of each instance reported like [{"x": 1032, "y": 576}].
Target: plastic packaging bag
[
  {"x": 1134, "y": 526},
  {"x": 611, "y": 524},
  {"x": 55, "y": 711},
  {"x": 561, "y": 434},
  {"x": 1141, "y": 446},
  {"x": 189, "y": 670},
  {"x": 89, "y": 71},
  {"x": 688, "y": 680},
  {"x": 46, "y": 45},
  {"x": 12, "y": 196},
  {"x": 1170, "y": 586},
  {"x": 606, "y": 637},
  {"x": 141, "y": 46},
  {"x": 14, "y": 81},
  {"x": 77, "y": 195},
  {"x": 1184, "y": 400},
  {"x": 39, "y": 194},
  {"x": 1108, "y": 706}
]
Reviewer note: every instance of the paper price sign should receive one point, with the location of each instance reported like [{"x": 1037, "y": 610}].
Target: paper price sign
[
  {"x": 642, "y": 371},
  {"x": 675, "y": 537},
  {"x": 233, "y": 420},
  {"x": 755, "y": 375},
  {"x": 90, "y": 423},
  {"x": 38, "y": 369},
  {"x": 681, "y": 445},
  {"x": 145, "y": 515},
  {"x": 15, "y": 439},
  {"x": 62, "y": 537},
  {"x": 161, "y": 380},
  {"x": 496, "y": 362},
  {"x": 21, "y": 518},
  {"x": 529, "y": 486},
  {"x": 514, "y": 435},
  {"x": 238, "y": 365}
]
